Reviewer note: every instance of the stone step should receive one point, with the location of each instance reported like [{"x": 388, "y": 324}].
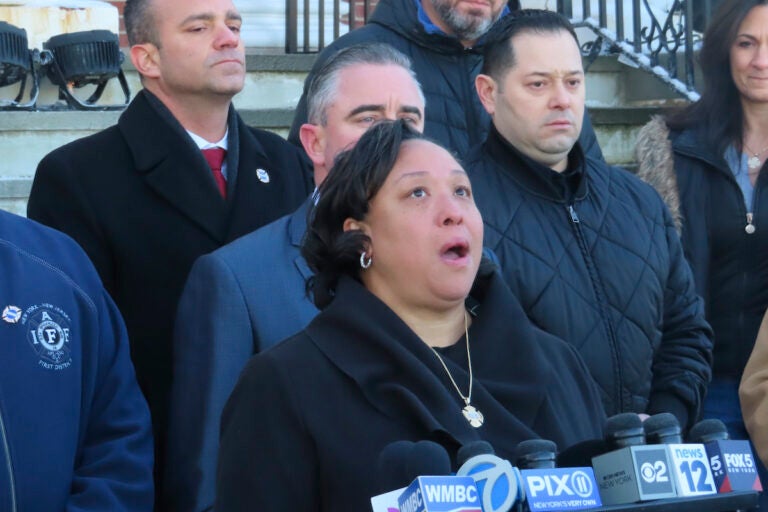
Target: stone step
[
  {"x": 621, "y": 100},
  {"x": 25, "y": 137}
]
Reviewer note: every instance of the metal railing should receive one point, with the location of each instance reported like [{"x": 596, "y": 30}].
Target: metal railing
[
  {"x": 334, "y": 16},
  {"x": 661, "y": 41}
]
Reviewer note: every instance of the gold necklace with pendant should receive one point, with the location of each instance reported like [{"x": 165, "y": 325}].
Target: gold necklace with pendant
[{"x": 473, "y": 416}]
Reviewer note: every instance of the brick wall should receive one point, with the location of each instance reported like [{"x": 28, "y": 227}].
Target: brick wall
[{"x": 120, "y": 4}]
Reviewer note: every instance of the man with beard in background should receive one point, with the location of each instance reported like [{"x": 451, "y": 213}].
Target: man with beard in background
[{"x": 444, "y": 40}]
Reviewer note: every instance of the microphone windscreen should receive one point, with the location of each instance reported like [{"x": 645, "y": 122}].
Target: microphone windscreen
[
  {"x": 401, "y": 462},
  {"x": 625, "y": 429},
  {"x": 428, "y": 458},
  {"x": 473, "y": 449},
  {"x": 708, "y": 430},
  {"x": 535, "y": 454},
  {"x": 662, "y": 428},
  {"x": 392, "y": 465},
  {"x": 580, "y": 454}
]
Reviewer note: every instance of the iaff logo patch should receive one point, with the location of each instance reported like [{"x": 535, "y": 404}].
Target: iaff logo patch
[{"x": 48, "y": 332}]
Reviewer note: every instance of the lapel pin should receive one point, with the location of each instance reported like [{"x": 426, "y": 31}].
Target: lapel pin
[
  {"x": 262, "y": 175},
  {"x": 11, "y": 314}
]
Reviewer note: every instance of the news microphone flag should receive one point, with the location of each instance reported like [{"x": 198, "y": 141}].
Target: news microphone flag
[
  {"x": 498, "y": 482},
  {"x": 690, "y": 469},
  {"x": 441, "y": 494},
  {"x": 733, "y": 466},
  {"x": 634, "y": 473},
  {"x": 560, "y": 489},
  {"x": 387, "y": 502}
]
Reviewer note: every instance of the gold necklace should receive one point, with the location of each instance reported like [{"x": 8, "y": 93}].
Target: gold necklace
[
  {"x": 473, "y": 416},
  {"x": 754, "y": 161}
]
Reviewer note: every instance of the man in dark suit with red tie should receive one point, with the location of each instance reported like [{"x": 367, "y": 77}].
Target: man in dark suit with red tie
[{"x": 141, "y": 198}]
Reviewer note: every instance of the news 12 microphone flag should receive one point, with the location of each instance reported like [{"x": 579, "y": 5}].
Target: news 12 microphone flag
[
  {"x": 441, "y": 494},
  {"x": 690, "y": 469}
]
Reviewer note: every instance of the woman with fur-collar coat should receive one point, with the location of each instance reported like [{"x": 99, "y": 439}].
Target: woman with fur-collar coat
[{"x": 708, "y": 162}]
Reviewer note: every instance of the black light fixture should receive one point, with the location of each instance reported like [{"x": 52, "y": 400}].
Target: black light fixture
[
  {"x": 17, "y": 63},
  {"x": 85, "y": 58}
]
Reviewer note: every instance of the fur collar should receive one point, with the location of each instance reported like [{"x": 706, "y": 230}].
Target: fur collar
[{"x": 653, "y": 153}]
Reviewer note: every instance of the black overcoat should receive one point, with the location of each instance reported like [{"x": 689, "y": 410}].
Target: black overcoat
[
  {"x": 141, "y": 201},
  {"x": 309, "y": 417}
]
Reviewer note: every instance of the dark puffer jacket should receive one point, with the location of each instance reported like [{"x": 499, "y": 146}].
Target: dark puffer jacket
[
  {"x": 728, "y": 263},
  {"x": 604, "y": 270},
  {"x": 446, "y": 71}
]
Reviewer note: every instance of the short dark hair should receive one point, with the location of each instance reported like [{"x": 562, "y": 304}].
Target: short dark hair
[
  {"x": 356, "y": 177},
  {"x": 499, "y": 54},
  {"x": 324, "y": 85},
  {"x": 139, "y": 22},
  {"x": 719, "y": 108}
]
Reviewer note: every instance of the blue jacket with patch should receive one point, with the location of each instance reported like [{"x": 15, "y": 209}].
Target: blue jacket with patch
[{"x": 75, "y": 431}]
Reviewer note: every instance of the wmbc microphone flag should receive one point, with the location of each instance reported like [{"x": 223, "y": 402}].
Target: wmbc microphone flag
[{"x": 441, "y": 494}]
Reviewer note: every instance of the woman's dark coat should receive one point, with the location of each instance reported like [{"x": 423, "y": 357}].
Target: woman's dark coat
[
  {"x": 308, "y": 419},
  {"x": 730, "y": 266}
]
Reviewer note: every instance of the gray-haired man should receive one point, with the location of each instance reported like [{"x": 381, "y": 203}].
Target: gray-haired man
[{"x": 249, "y": 295}]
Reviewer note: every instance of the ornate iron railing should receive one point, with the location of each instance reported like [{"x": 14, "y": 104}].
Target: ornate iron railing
[
  {"x": 659, "y": 37},
  {"x": 661, "y": 40}
]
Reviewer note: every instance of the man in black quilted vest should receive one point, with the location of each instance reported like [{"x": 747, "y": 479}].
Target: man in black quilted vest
[{"x": 590, "y": 250}]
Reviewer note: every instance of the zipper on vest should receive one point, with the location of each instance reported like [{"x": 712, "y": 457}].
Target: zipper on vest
[
  {"x": 600, "y": 295},
  {"x": 573, "y": 214},
  {"x": 750, "y": 228},
  {"x": 8, "y": 463}
]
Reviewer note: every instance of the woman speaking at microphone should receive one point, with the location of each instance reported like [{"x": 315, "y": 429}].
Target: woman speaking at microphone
[{"x": 416, "y": 339}]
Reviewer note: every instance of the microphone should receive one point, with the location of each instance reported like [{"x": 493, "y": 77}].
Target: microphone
[
  {"x": 550, "y": 488},
  {"x": 731, "y": 461},
  {"x": 622, "y": 430},
  {"x": 689, "y": 465},
  {"x": 400, "y": 463},
  {"x": 535, "y": 454},
  {"x": 581, "y": 454},
  {"x": 662, "y": 428},
  {"x": 498, "y": 482},
  {"x": 632, "y": 471},
  {"x": 708, "y": 430}
]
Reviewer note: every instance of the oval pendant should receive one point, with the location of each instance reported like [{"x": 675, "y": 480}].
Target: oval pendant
[
  {"x": 474, "y": 417},
  {"x": 753, "y": 162}
]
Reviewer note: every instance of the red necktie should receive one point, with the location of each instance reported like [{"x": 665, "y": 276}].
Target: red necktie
[{"x": 215, "y": 157}]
